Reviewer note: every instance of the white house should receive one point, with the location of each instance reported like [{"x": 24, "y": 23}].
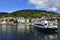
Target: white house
[{"x": 20, "y": 19}]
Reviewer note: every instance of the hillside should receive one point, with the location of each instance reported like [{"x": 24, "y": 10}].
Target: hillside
[
  {"x": 32, "y": 14},
  {"x": 3, "y": 14}
]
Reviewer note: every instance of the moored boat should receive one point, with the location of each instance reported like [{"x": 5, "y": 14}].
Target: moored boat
[{"x": 47, "y": 25}]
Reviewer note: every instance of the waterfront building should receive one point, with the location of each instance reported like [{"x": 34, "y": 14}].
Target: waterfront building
[
  {"x": 6, "y": 20},
  {"x": 33, "y": 20},
  {"x": 20, "y": 19}
]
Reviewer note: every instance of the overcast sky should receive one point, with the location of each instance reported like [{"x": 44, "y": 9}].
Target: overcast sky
[{"x": 13, "y": 5}]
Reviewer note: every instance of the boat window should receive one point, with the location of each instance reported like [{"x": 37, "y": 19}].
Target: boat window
[
  {"x": 54, "y": 24},
  {"x": 45, "y": 24},
  {"x": 39, "y": 24}
]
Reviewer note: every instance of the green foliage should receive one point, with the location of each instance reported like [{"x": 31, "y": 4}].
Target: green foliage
[{"x": 31, "y": 14}]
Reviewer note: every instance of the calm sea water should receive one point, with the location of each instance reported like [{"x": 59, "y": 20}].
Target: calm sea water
[{"x": 25, "y": 32}]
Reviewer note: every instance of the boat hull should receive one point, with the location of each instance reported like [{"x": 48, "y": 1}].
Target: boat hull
[{"x": 46, "y": 30}]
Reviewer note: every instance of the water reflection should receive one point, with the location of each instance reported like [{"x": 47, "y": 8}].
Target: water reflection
[
  {"x": 23, "y": 32},
  {"x": 51, "y": 37},
  {"x": 48, "y": 36}
]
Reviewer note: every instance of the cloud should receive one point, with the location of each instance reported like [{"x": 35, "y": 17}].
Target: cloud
[{"x": 49, "y": 4}]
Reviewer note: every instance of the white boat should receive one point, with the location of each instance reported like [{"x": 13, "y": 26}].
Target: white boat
[{"x": 46, "y": 25}]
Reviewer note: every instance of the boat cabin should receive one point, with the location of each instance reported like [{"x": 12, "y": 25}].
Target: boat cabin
[{"x": 49, "y": 22}]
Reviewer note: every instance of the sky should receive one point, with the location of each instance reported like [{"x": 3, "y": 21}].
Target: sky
[{"x": 14, "y": 5}]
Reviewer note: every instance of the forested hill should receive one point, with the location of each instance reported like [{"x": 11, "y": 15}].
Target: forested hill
[
  {"x": 31, "y": 14},
  {"x": 3, "y": 13}
]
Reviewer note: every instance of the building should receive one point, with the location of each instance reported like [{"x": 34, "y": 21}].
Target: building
[{"x": 20, "y": 19}]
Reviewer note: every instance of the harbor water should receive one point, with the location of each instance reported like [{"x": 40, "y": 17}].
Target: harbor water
[{"x": 25, "y": 32}]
